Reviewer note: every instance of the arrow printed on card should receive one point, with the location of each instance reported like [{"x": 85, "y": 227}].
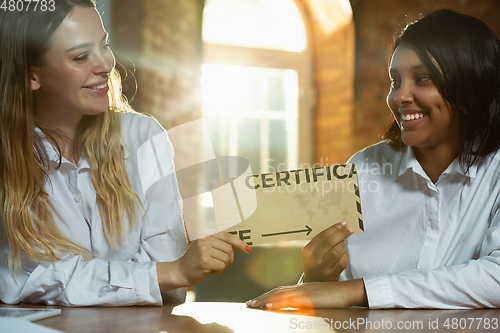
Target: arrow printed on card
[{"x": 308, "y": 230}]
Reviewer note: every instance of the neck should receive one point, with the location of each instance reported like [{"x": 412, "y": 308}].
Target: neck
[
  {"x": 435, "y": 160},
  {"x": 65, "y": 125}
]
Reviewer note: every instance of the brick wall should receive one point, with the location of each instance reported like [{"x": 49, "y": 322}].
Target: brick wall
[
  {"x": 332, "y": 42},
  {"x": 162, "y": 39}
]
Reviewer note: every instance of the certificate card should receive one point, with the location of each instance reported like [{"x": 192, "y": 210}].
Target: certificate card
[{"x": 287, "y": 205}]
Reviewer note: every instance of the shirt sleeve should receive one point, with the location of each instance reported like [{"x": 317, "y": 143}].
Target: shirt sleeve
[
  {"x": 165, "y": 242},
  {"x": 457, "y": 280},
  {"x": 76, "y": 282},
  {"x": 473, "y": 284},
  {"x": 163, "y": 236},
  {"x": 123, "y": 277}
]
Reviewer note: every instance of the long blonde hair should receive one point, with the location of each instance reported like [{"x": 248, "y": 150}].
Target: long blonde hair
[{"x": 25, "y": 208}]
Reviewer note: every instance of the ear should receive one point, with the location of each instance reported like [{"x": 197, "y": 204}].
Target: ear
[{"x": 34, "y": 79}]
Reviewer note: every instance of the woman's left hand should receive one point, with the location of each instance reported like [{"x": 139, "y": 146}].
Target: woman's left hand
[{"x": 336, "y": 294}]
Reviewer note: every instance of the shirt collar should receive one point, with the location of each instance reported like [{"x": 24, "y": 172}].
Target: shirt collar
[
  {"x": 409, "y": 161},
  {"x": 53, "y": 154},
  {"x": 51, "y": 151}
]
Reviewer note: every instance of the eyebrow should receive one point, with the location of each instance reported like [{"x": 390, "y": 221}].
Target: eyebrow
[
  {"x": 419, "y": 66},
  {"x": 86, "y": 45}
]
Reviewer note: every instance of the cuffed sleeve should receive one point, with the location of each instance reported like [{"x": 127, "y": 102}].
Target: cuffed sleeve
[
  {"x": 426, "y": 244},
  {"x": 378, "y": 291},
  {"x": 120, "y": 276},
  {"x": 76, "y": 282}
]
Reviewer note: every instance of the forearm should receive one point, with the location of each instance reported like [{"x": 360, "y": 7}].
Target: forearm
[
  {"x": 169, "y": 276},
  {"x": 355, "y": 289},
  {"x": 342, "y": 294},
  {"x": 335, "y": 294}
]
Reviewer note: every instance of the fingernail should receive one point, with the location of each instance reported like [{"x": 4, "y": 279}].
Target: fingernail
[
  {"x": 269, "y": 305},
  {"x": 249, "y": 249},
  {"x": 344, "y": 224},
  {"x": 351, "y": 230},
  {"x": 250, "y": 302}
]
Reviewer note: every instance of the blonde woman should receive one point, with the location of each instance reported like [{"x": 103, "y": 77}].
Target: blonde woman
[{"x": 76, "y": 229}]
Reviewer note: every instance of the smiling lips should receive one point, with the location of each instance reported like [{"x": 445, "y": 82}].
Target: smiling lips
[
  {"x": 411, "y": 119},
  {"x": 411, "y": 116},
  {"x": 97, "y": 87},
  {"x": 101, "y": 86}
]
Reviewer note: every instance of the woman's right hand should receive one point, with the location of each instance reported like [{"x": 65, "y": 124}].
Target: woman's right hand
[
  {"x": 324, "y": 257},
  {"x": 207, "y": 255}
]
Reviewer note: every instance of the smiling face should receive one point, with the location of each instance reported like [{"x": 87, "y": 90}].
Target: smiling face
[
  {"x": 425, "y": 117},
  {"x": 73, "y": 80}
]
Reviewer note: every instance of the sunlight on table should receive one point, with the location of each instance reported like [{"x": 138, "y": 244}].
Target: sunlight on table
[{"x": 239, "y": 318}]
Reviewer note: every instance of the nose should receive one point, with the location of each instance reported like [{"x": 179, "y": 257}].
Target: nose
[
  {"x": 104, "y": 63},
  {"x": 404, "y": 94}
]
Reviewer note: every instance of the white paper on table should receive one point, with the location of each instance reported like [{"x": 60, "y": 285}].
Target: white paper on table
[{"x": 16, "y": 325}]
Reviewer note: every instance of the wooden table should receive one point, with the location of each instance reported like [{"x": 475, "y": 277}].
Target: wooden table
[{"x": 235, "y": 317}]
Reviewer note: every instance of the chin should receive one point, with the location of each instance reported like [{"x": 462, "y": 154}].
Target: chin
[
  {"x": 94, "y": 111},
  {"x": 410, "y": 141}
]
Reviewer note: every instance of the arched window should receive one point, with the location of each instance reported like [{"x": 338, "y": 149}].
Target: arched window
[
  {"x": 258, "y": 98},
  {"x": 256, "y": 80},
  {"x": 259, "y": 24}
]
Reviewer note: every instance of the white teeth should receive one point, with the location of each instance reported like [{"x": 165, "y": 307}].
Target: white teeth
[
  {"x": 412, "y": 116},
  {"x": 102, "y": 86}
]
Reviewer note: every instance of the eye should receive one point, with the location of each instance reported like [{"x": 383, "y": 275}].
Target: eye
[
  {"x": 81, "y": 57},
  {"x": 395, "y": 83},
  {"x": 105, "y": 46},
  {"x": 423, "y": 78}
]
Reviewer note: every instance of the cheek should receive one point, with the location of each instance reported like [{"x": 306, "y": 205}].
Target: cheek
[
  {"x": 391, "y": 104},
  {"x": 431, "y": 98},
  {"x": 111, "y": 59},
  {"x": 70, "y": 77}
]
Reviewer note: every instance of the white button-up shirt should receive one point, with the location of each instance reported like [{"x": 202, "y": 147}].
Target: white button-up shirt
[
  {"x": 124, "y": 276},
  {"x": 426, "y": 245}
]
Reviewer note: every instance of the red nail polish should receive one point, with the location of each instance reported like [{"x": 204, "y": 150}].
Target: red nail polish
[{"x": 249, "y": 249}]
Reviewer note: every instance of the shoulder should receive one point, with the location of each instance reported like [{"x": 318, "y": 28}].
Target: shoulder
[
  {"x": 490, "y": 162},
  {"x": 139, "y": 127},
  {"x": 489, "y": 167},
  {"x": 495, "y": 157},
  {"x": 378, "y": 153}
]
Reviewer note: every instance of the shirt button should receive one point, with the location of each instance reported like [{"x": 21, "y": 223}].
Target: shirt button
[{"x": 78, "y": 198}]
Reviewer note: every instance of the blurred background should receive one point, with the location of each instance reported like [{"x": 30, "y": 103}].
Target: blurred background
[{"x": 283, "y": 83}]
